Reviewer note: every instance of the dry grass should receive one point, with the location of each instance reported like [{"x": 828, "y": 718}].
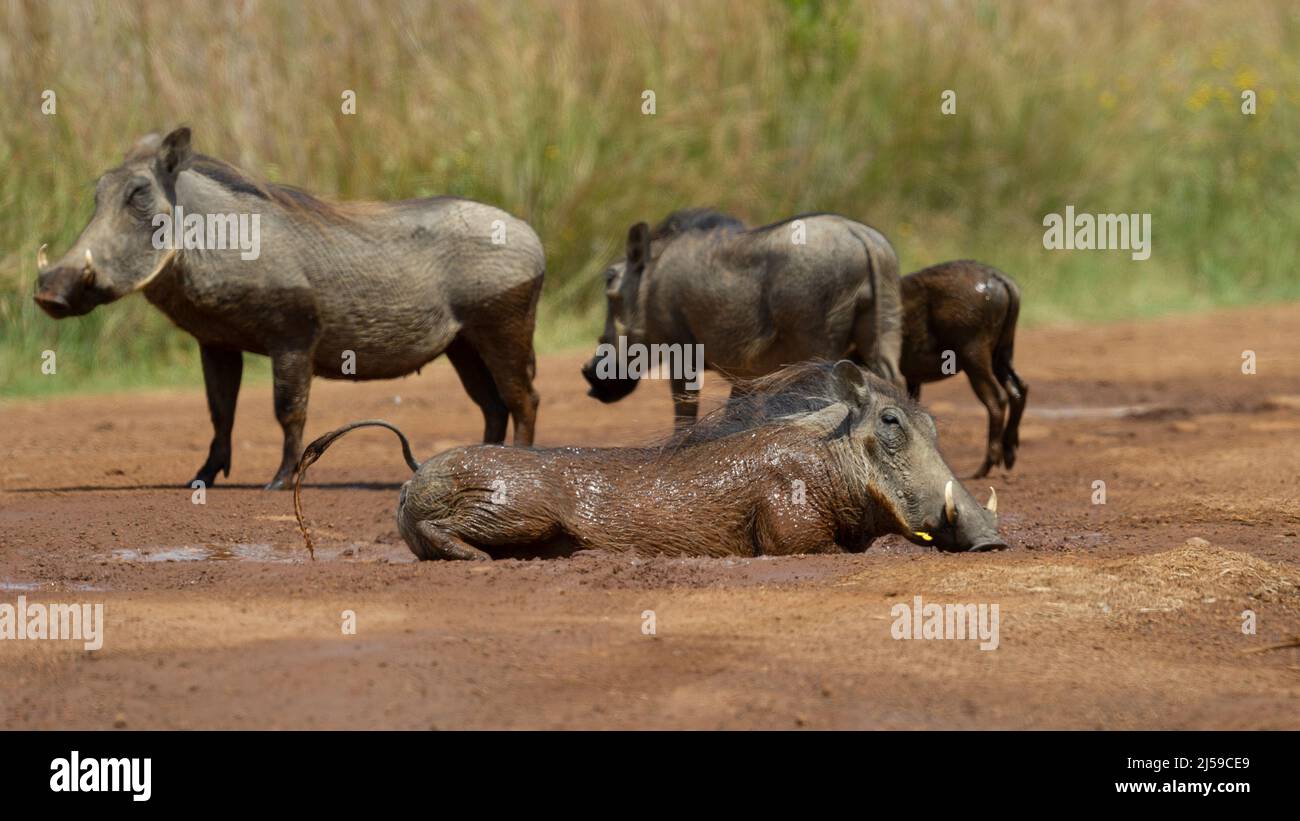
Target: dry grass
[{"x": 763, "y": 108}]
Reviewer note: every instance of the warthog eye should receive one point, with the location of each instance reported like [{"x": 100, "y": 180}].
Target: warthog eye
[
  {"x": 140, "y": 198},
  {"x": 890, "y": 431}
]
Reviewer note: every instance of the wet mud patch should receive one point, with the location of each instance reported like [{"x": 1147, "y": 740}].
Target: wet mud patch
[{"x": 361, "y": 552}]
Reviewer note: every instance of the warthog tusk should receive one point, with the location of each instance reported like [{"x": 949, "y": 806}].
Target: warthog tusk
[
  {"x": 993, "y": 501},
  {"x": 949, "y": 506},
  {"x": 88, "y": 273},
  {"x": 42, "y": 262},
  {"x": 166, "y": 260}
]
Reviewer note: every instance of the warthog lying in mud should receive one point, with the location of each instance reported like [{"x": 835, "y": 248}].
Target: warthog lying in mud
[
  {"x": 969, "y": 309},
  {"x": 381, "y": 287},
  {"x": 816, "y": 458},
  {"x": 817, "y": 286}
]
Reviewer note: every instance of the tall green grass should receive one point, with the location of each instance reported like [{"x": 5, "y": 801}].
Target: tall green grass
[{"x": 764, "y": 109}]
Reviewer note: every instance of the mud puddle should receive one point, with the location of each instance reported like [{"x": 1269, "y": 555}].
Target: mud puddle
[
  {"x": 10, "y": 586},
  {"x": 265, "y": 553},
  {"x": 1110, "y": 412}
]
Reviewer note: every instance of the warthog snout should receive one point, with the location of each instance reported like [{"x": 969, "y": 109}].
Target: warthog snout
[
  {"x": 962, "y": 524},
  {"x": 66, "y": 289},
  {"x": 59, "y": 292},
  {"x": 53, "y": 304},
  {"x": 606, "y": 389}
]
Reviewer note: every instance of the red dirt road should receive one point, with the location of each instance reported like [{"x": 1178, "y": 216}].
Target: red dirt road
[{"x": 1111, "y": 616}]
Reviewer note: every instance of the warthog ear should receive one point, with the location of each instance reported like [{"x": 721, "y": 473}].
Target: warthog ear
[
  {"x": 638, "y": 246},
  {"x": 174, "y": 154},
  {"x": 850, "y": 386},
  {"x": 144, "y": 148}
]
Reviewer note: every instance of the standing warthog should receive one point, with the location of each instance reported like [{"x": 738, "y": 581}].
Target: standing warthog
[
  {"x": 817, "y": 286},
  {"x": 815, "y": 458},
  {"x": 966, "y": 312},
  {"x": 350, "y": 291}
]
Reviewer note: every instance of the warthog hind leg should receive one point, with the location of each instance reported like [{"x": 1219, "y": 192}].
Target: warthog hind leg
[
  {"x": 446, "y": 545},
  {"x": 990, "y": 393},
  {"x": 1018, "y": 392},
  {"x": 511, "y": 365},
  {"x": 480, "y": 386},
  {"x": 291, "y": 373}
]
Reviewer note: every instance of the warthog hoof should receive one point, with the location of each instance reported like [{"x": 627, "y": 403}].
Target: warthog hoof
[
  {"x": 208, "y": 478},
  {"x": 280, "y": 482}
]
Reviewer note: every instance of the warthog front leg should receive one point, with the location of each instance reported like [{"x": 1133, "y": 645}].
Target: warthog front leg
[
  {"x": 291, "y": 371},
  {"x": 222, "y": 370},
  {"x": 686, "y": 404}
]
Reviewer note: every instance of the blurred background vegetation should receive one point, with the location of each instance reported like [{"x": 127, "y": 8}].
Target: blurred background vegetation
[{"x": 765, "y": 108}]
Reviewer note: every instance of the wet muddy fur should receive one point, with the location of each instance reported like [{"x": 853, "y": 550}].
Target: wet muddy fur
[{"x": 818, "y": 457}]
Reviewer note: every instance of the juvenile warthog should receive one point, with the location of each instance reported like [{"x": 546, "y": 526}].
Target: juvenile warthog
[
  {"x": 817, "y": 286},
  {"x": 351, "y": 291},
  {"x": 965, "y": 313},
  {"x": 815, "y": 458}
]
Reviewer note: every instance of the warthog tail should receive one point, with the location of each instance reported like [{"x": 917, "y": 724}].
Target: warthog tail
[
  {"x": 1004, "y": 350},
  {"x": 314, "y": 451}
]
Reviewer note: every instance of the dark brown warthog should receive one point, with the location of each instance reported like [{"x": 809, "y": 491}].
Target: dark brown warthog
[
  {"x": 353, "y": 291},
  {"x": 815, "y": 458},
  {"x": 817, "y": 286},
  {"x": 969, "y": 309}
]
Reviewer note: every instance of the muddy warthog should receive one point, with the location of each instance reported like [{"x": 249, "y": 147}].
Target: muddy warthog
[
  {"x": 817, "y": 286},
  {"x": 964, "y": 313},
  {"x": 344, "y": 291},
  {"x": 815, "y": 458}
]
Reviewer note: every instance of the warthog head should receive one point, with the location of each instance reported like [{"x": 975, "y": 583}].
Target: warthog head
[
  {"x": 893, "y": 447},
  {"x": 625, "y": 312},
  {"x": 622, "y": 298},
  {"x": 885, "y": 447},
  {"x": 115, "y": 253}
]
